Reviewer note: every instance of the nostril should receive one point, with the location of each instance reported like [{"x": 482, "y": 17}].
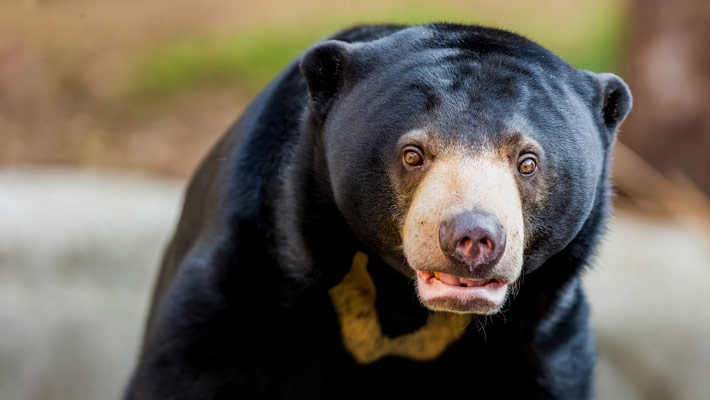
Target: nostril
[
  {"x": 465, "y": 247},
  {"x": 487, "y": 246}
]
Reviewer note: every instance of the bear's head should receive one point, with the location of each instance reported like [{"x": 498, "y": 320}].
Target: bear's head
[{"x": 463, "y": 156}]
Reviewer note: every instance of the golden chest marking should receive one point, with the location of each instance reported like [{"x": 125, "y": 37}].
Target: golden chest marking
[{"x": 354, "y": 302}]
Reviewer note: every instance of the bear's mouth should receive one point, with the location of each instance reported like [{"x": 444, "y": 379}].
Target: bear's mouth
[{"x": 446, "y": 292}]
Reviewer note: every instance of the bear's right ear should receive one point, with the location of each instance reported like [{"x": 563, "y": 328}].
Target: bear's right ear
[
  {"x": 323, "y": 66},
  {"x": 614, "y": 102}
]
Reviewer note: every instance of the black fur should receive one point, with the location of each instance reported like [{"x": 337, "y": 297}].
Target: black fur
[{"x": 277, "y": 210}]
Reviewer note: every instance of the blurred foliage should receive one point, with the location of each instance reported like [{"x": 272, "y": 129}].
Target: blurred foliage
[{"x": 248, "y": 59}]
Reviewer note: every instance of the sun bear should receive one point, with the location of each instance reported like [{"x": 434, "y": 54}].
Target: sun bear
[{"x": 404, "y": 211}]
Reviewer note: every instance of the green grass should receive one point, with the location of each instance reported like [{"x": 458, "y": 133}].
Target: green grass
[
  {"x": 248, "y": 60},
  {"x": 600, "y": 47}
]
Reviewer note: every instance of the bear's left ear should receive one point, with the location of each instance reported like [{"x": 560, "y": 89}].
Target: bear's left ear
[
  {"x": 323, "y": 67},
  {"x": 614, "y": 101}
]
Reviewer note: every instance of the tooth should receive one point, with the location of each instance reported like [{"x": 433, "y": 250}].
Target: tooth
[{"x": 436, "y": 275}]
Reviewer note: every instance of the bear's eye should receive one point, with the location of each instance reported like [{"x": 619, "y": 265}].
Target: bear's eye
[
  {"x": 412, "y": 157},
  {"x": 527, "y": 165}
]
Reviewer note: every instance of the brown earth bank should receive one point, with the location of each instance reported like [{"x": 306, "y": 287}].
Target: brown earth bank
[{"x": 65, "y": 66}]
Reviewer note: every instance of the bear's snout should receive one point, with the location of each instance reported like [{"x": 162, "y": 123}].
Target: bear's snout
[
  {"x": 474, "y": 241},
  {"x": 463, "y": 234}
]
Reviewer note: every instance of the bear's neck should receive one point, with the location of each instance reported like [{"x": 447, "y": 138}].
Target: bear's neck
[{"x": 315, "y": 245}]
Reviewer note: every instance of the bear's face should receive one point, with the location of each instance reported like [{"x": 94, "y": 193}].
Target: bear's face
[
  {"x": 463, "y": 230},
  {"x": 464, "y": 157}
]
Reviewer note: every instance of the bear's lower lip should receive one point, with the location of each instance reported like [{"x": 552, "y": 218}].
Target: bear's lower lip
[{"x": 446, "y": 292}]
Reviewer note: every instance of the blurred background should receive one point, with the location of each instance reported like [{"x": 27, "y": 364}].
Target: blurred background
[{"x": 107, "y": 107}]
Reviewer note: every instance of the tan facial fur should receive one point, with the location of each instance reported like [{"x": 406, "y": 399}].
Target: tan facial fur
[{"x": 458, "y": 181}]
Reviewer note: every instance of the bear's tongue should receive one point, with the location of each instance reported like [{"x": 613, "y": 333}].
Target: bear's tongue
[{"x": 458, "y": 281}]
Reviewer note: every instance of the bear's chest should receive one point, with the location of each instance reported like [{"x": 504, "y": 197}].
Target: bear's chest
[
  {"x": 337, "y": 346},
  {"x": 354, "y": 301}
]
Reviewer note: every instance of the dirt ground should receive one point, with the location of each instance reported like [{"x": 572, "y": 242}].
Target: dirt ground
[{"x": 79, "y": 251}]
